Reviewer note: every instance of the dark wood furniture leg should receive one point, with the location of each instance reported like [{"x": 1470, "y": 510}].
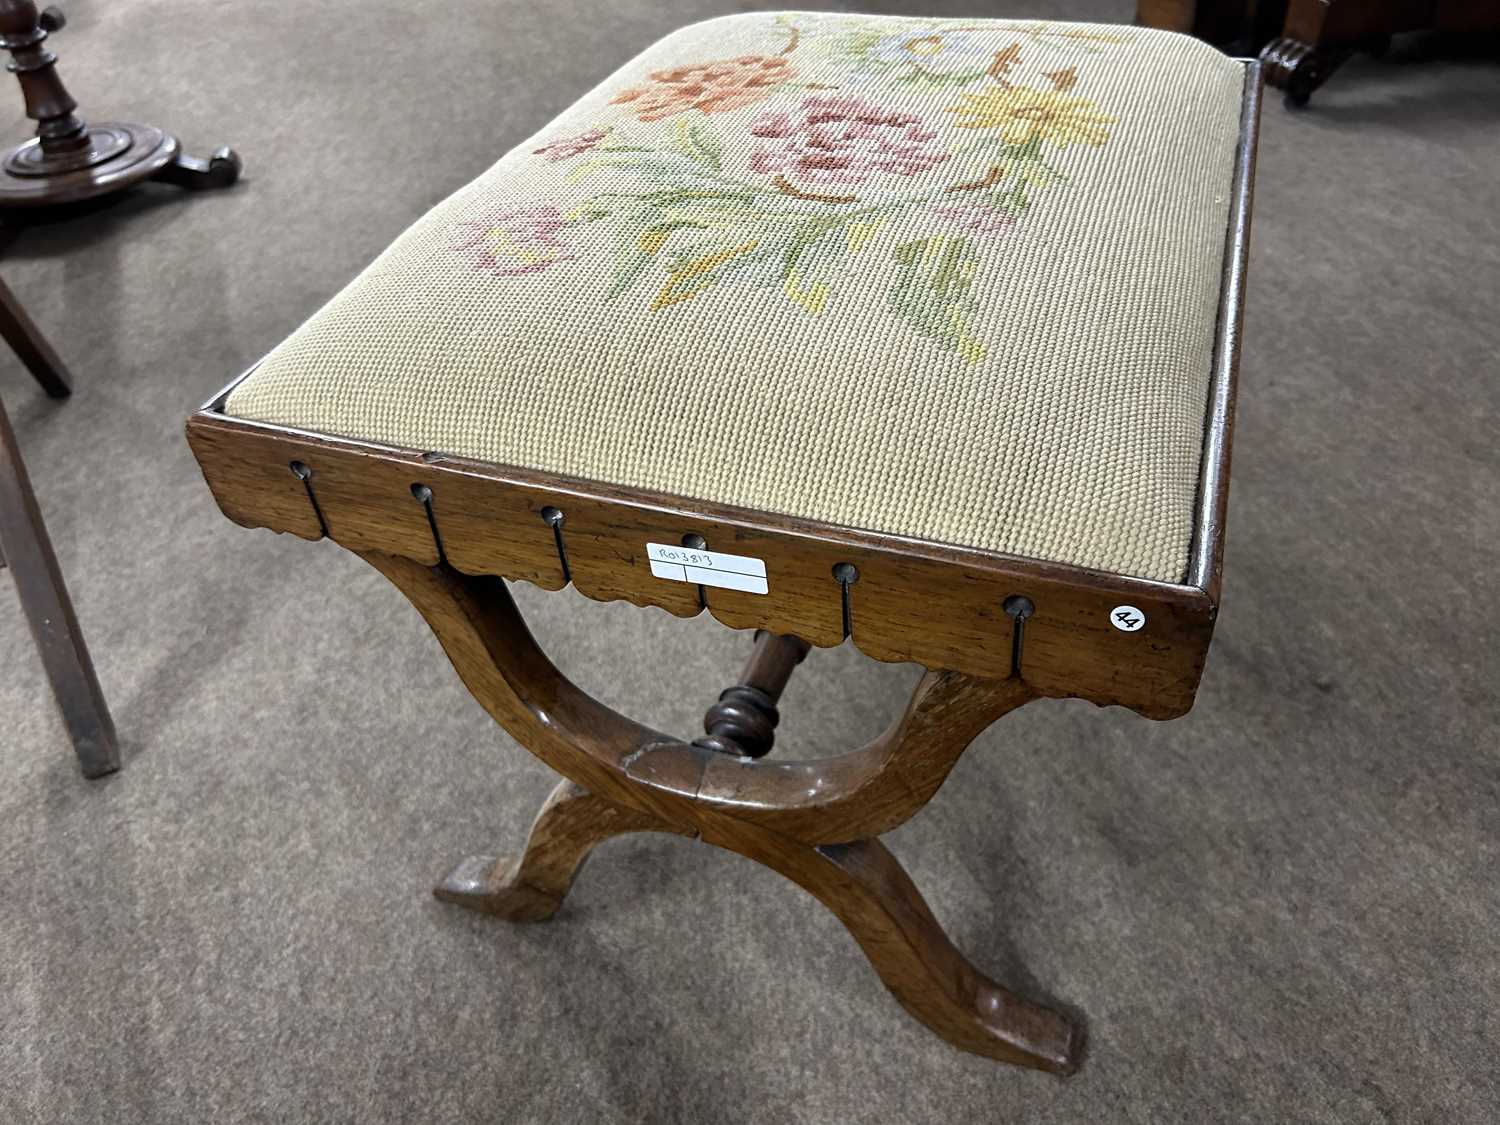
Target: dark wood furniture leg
[
  {"x": 1319, "y": 36},
  {"x": 44, "y": 599},
  {"x": 1301, "y": 43},
  {"x": 813, "y": 822},
  {"x": 1238, "y": 26},
  {"x": 68, "y": 160},
  {"x": 1288, "y": 35},
  {"x": 1297, "y": 68},
  {"x": 31, "y": 346}
]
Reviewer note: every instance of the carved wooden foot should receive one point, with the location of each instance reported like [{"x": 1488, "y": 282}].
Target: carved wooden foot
[
  {"x": 1298, "y": 69},
  {"x": 219, "y": 170},
  {"x": 531, "y": 887},
  {"x": 871, "y": 893},
  {"x": 811, "y": 821}
]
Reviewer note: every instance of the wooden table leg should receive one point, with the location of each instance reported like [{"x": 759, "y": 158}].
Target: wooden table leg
[
  {"x": 796, "y": 818},
  {"x": 31, "y": 346},
  {"x": 44, "y": 598}
]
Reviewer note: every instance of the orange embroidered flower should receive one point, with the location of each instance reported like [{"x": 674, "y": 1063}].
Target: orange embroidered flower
[{"x": 712, "y": 87}]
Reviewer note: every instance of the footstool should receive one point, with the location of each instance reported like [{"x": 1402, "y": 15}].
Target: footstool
[{"x": 915, "y": 333}]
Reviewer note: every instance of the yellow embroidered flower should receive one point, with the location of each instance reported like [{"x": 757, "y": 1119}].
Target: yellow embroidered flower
[{"x": 1022, "y": 114}]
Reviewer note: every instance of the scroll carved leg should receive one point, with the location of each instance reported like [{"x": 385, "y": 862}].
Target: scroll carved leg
[
  {"x": 870, "y": 892},
  {"x": 813, "y": 822},
  {"x": 532, "y": 886}
]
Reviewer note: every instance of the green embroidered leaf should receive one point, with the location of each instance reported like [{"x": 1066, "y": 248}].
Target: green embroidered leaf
[
  {"x": 654, "y": 167},
  {"x": 697, "y": 141},
  {"x": 933, "y": 279},
  {"x": 931, "y": 80},
  {"x": 1038, "y": 174},
  {"x": 630, "y": 261},
  {"x": 1030, "y": 150},
  {"x": 714, "y": 208},
  {"x": 858, "y": 44},
  {"x": 810, "y": 260},
  {"x": 810, "y": 239},
  {"x": 640, "y": 234},
  {"x": 590, "y": 211}
]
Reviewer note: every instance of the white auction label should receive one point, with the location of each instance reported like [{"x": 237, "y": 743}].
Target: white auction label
[
  {"x": 1126, "y": 618},
  {"x": 707, "y": 568}
]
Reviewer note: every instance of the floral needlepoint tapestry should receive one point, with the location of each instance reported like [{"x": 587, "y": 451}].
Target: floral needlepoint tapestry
[
  {"x": 697, "y": 194},
  {"x": 950, "y": 279}
]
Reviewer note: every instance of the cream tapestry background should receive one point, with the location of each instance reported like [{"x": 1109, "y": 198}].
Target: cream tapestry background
[{"x": 949, "y": 279}]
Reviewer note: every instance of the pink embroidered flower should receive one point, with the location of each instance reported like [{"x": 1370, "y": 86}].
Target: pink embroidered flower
[
  {"x": 712, "y": 87},
  {"x": 571, "y": 146},
  {"x": 509, "y": 243},
  {"x": 975, "y": 217},
  {"x": 843, "y": 139}
]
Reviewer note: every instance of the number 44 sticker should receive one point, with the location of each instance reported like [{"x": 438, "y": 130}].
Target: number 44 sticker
[{"x": 1126, "y": 618}]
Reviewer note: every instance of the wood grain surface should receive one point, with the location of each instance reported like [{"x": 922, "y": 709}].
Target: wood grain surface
[{"x": 941, "y": 607}]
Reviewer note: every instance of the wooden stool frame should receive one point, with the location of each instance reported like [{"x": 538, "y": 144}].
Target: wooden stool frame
[{"x": 994, "y": 631}]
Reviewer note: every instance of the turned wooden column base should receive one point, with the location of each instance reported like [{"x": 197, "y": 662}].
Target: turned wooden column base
[
  {"x": 118, "y": 156},
  {"x": 69, "y": 160},
  {"x": 814, "y": 822}
]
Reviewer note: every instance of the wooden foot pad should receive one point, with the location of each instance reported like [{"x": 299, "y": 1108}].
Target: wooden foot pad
[
  {"x": 492, "y": 886},
  {"x": 531, "y": 888}
]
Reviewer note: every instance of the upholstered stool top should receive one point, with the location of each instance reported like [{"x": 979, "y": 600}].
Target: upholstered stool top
[{"x": 954, "y": 280}]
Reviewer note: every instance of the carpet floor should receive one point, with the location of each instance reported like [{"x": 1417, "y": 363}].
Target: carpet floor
[{"x": 1281, "y": 908}]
